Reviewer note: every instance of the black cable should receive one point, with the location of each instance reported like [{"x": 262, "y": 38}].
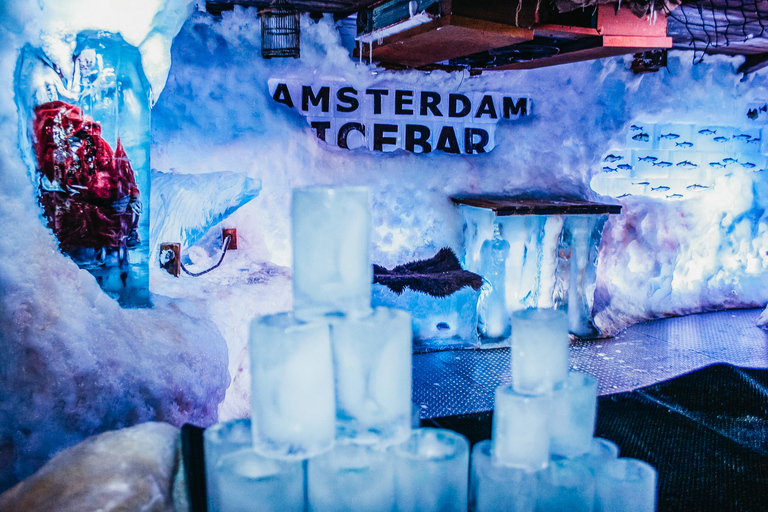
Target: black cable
[{"x": 223, "y": 252}]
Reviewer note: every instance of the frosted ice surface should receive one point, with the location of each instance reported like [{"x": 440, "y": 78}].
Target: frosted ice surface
[
  {"x": 293, "y": 398},
  {"x": 573, "y": 415},
  {"x": 432, "y": 471},
  {"x": 566, "y": 485},
  {"x": 186, "y": 206},
  {"x": 249, "y": 482},
  {"x": 539, "y": 349},
  {"x": 495, "y": 488},
  {"x": 219, "y": 440},
  {"x": 372, "y": 358},
  {"x": 331, "y": 237},
  {"x": 521, "y": 429},
  {"x": 351, "y": 477},
  {"x": 628, "y": 485}
]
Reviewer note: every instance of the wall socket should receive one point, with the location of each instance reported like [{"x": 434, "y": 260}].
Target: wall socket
[
  {"x": 170, "y": 258},
  {"x": 233, "y": 240}
]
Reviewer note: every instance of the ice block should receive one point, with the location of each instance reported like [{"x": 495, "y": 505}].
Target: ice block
[
  {"x": 220, "y": 440},
  {"x": 566, "y": 485},
  {"x": 625, "y": 485},
  {"x": 352, "y": 477},
  {"x": 521, "y": 429},
  {"x": 293, "y": 400},
  {"x": 249, "y": 482},
  {"x": 539, "y": 349},
  {"x": 432, "y": 471},
  {"x": 372, "y": 359},
  {"x": 331, "y": 236},
  {"x": 499, "y": 488},
  {"x": 573, "y": 415}
]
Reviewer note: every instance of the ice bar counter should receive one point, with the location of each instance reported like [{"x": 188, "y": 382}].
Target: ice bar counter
[
  {"x": 332, "y": 426},
  {"x": 551, "y": 255}
]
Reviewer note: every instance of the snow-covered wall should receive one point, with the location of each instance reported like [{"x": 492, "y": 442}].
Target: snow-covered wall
[{"x": 661, "y": 257}]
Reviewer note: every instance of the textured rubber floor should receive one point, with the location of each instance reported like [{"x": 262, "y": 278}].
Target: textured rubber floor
[{"x": 463, "y": 381}]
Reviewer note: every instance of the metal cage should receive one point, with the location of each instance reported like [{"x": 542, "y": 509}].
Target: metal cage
[{"x": 280, "y": 30}]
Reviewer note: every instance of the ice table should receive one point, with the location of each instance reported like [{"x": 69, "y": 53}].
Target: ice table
[{"x": 554, "y": 244}]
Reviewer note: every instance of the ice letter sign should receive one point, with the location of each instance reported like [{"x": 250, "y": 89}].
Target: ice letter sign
[{"x": 386, "y": 118}]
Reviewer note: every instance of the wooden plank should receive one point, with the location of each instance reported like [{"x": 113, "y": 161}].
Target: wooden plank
[
  {"x": 595, "y": 48},
  {"x": 624, "y": 23},
  {"x": 564, "y": 32},
  {"x": 446, "y": 38},
  {"x": 511, "y": 205}
]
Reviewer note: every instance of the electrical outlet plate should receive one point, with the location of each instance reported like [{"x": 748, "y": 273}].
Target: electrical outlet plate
[
  {"x": 233, "y": 240},
  {"x": 172, "y": 265}
]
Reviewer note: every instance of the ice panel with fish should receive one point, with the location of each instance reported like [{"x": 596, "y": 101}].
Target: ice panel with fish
[
  {"x": 648, "y": 164},
  {"x": 640, "y": 136},
  {"x": 714, "y": 139},
  {"x": 668, "y": 136}
]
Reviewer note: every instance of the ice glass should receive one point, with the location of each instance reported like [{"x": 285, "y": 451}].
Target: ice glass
[
  {"x": 499, "y": 488},
  {"x": 539, "y": 349},
  {"x": 372, "y": 358},
  {"x": 352, "y": 477},
  {"x": 566, "y": 485},
  {"x": 521, "y": 429},
  {"x": 573, "y": 415},
  {"x": 432, "y": 471},
  {"x": 625, "y": 485},
  {"x": 600, "y": 453},
  {"x": 293, "y": 400},
  {"x": 249, "y": 482},
  {"x": 219, "y": 440},
  {"x": 331, "y": 236}
]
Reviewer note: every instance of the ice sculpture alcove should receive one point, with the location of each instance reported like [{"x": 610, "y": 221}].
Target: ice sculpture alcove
[{"x": 86, "y": 141}]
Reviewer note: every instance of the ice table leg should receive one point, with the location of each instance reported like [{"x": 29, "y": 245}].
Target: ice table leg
[
  {"x": 293, "y": 400},
  {"x": 521, "y": 429},
  {"x": 566, "y": 485},
  {"x": 499, "y": 488},
  {"x": 539, "y": 349},
  {"x": 625, "y": 485},
  {"x": 331, "y": 236},
  {"x": 220, "y": 440},
  {"x": 432, "y": 471},
  {"x": 352, "y": 477},
  {"x": 249, "y": 482},
  {"x": 573, "y": 415},
  {"x": 372, "y": 357}
]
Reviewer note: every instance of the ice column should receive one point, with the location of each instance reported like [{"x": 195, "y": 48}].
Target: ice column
[
  {"x": 432, "y": 472},
  {"x": 331, "y": 264},
  {"x": 351, "y": 477},
  {"x": 372, "y": 359},
  {"x": 249, "y": 482},
  {"x": 573, "y": 415},
  {"x": 626, "y": 485},
  {"x": 494, "y": 488},
  {"x": 566, "y": 485},
  {"x": 539, "y": 349},
  {"x": 493, "y": 316},
  {"x": 293, "y": 401},
  {"x": 520, "y": 435},
  {"x": 219, "y": 440}
]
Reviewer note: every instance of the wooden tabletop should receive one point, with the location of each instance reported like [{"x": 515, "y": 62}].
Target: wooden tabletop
[{"x": 510, "y": 205}]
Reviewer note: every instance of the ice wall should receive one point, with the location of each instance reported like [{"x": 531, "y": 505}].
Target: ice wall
[
  {"x": 216, "y": 114},
  {"x": 74, "y": 363}
]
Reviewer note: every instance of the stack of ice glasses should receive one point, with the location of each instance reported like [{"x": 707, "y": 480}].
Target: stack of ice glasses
[
  {"x": 542, "y": 455},
  {"x": 331, "y": 426}
]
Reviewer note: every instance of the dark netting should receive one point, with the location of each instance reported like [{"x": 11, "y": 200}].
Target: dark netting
[{"x": 718, "y": 24}]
